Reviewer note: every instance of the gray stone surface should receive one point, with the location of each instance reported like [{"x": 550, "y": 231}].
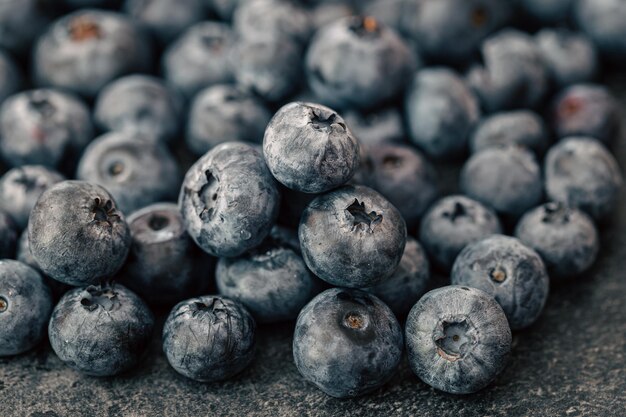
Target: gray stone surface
[{"x": 572, "y": 363}]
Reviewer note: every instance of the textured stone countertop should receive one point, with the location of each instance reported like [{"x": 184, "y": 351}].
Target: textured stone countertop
[{"x": 572, "y": 363}]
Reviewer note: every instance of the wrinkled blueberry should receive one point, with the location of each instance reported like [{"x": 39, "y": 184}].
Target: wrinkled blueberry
[
  {"x": 10, "y": 77},
  {"x": 8, "y": 236},
  {"x": 385, "y": 126},
  {"x": 274, "y": 19},
  {"x": 602, "y": 21}
]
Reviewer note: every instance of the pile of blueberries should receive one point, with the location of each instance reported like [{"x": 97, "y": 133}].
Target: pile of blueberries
[{"x": 308, "y": 214}]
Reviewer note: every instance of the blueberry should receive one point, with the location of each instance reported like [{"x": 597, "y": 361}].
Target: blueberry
[
  {"x": 408, "y": 283},
  {"x": 164, "y": 265},
  {"x": 518, "y": 127},
  {"x": 166, "y": 19},
  {"x": 268, "y": 67},
  {"x": 508, "y": 270},
  {"x": 271, "y": 280},
  {"x": 587, "y": 110},
  {"x": 569, "y": 56},
  {"x": 44, "y": 127},
  {"x": 85, "y": 50},
  {"x": 357, "y": 62},
  {"x": 21, "y": 187},
  {"x": 309, "y": 148},
  {"x": 385, "y": 126},
  {"x": 77, "y": 235},
  {"x": 458, "y": 339},
  {"x": 199, "y": 57},
  {"x": 229, "y": 200},
  {"x": 352, "y": 237},
  {"x": 452, "y": 223},
  {"x": 441, "y": 111},
  {"x": 602, "y": 21},
  {"x": 581, "y": 173},
  {"x": 566, "y": 238},
  {"x": 403, "y": 176},
  {"x": 137, "y": 172},
  {"x": 548, "y": 11},
  {"x": 209, "y": 338},
  {"x": 10, "y": 77},
  {"x": 20, "y": 23},
  {"x": 347, "y": 343},
  {"x": 8, "y": 236},
  {"x": 225, "y": 113},
  {"x": 274, "y": 19},
  {"x": 100, "y": 330},
  {"x": 514, "y": 74},
  {"x": 140, "y": 104},
  {"x": 25, "y": 306},
  {"x": 506, "y": 178}
]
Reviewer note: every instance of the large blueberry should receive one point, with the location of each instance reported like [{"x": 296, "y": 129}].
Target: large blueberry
[
  {"x": 309, "y": 148},
  {"x": 85, "y": 50},
  {"x": 21, "y": 187},
  {"x": 508, "y": 270},
  {"x": 272, "y": 18},
  {"x": 44, "y": 127},
  {"x": 602, "y": 21},
  {"x": 209, "y": 338},
  {"x": 581, "y": 173},
  {"x": 453, "y": 222},
  {"x": 136, "y": 172},
  {"x": 77, "y": 235},
  {"x": 566, "y": 238},
  {"x": 25, "y": 306},
  {"x": 458, "y": 339},
  {"x": 385, "y": 126},
  {"x": 224, "y": 113},
  {"x": 229, "y": 200},
  {"x": 271, "y": 280},
  {"x": 100, "y": 330},
  {"x": 140, "y": 104},
  {"x": 10, "y": 77},
  {"x": 164, "y": 265},
  {"x": 352, "y": 237},
  {"x": 347, "y": 342},
  {"x": 8, "y": 236},
  {"x": 358, "y": 62},
  {"x": 441, "y": 112}
]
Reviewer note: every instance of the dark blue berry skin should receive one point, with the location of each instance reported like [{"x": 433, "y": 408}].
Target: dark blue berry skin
[
  {"x": 165, "y": 19},
  {"x": 270, "y": 68},
  {"x": 100, "y": 330},
  {"x": 441, "y": 111},
  {"x": 519, "y": 127},
  {"x": 210, "y": 338},
  {"x": 358, "y": 63},
  {"x": 452, "y": 223},
  {"x": 566, "y": 239},
  {"x": 137, "y": 172},
  {"x": 548, "y": 11},
  {"x": 602, "y": 21},
  {"x": 85, "y": 50},
  {"x": 352, "y": 237},
  {"x": 403, "y": 176},
  {"x": 25, "y": 307},
  {"x": 20, "y": 23},
  {"x": 508, "y": 179},
  {"x": 309, "y": 148},
  {"x": 458, "y": 339},
  {"x": 570, "y": 57},
  {"x": 77, "y": 235},
  {"x": 225, "y": 113},
  {"x": 164, "y": 265},
  {"x": 229, "y": 200},
  {"x": 513, "y": 75},
  {"x": 140, "y": 104},
  {"x": 10, "y": 77},
  {"x": 44, "y": 127},
  {"x": 21, "y": 187},
  {"x": 408, "y": 283},
  {"x": 200, "y": 57},
  {"x": 385, "y": 126},
  {"x": 273, "y": 19},
  {"x": 581, "y": 173},
  {"x": 8, "y": 236},
  {"x": 347, "y": 343},
  {"x": 508, "y": 270},
  {"x": 587, "y": 110},
  {"x": 271, "y": 280}
]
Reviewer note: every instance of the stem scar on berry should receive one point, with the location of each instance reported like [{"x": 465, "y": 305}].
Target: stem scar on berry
[{"x": 361, "y": 219}]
